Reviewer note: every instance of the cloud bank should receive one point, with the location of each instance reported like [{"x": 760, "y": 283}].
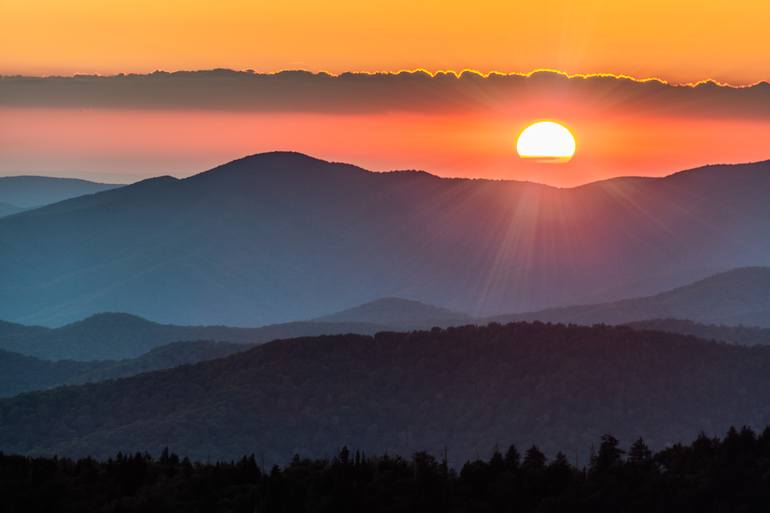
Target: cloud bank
[{"x": 367, "y": 93}]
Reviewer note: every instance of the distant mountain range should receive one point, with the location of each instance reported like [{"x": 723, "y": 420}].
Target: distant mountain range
[
  {"x": 281, "y": 236},
  {"x": 113, "y": 336},
  {"x": 462, "y": 389},
  {"x": 26, "y": 192},
  {"x": 90, "y": 350},
  {"x": 20, "y": 373},
  {"x": 712, "y": 308},
  {"x": 737, "y": 297}
]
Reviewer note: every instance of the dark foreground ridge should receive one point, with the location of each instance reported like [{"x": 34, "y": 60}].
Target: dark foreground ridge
[
  {"x": 709, "y": 475},
  {"x": 465, "y": 388}
]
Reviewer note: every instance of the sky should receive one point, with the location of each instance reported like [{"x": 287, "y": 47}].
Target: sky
[{"x": 107, "y": 130}]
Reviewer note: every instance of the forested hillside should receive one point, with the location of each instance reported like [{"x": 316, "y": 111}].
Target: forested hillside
[
  {"x": 465, "y": 389},
  {"x": 20, "y": 373}
]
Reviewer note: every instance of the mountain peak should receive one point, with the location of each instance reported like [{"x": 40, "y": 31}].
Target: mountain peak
[
  {"x": 111, "y": 319},
  {"x": 395, "y": 311},
  {"x": 278, "y": 158},
  {"x": 279, "y": 163}
]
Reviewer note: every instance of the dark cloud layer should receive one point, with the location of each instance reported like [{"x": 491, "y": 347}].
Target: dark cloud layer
[{"x": 417, "y": 91}]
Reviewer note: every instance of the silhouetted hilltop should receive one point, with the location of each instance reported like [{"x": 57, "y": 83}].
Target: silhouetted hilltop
[
  {"x": 20, "y": 373},
  {"x": 737, "y": 297},
  {"x": 393, "y": 312},
  {"x": 466, "y": 389},
  {"x": 279, "y": 165},
  {"x": 279, "y": 236},
  {"x": 25, "y": 192}
]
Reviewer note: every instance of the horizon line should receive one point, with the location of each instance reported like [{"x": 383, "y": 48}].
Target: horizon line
[{"x": 415, "y": 71}]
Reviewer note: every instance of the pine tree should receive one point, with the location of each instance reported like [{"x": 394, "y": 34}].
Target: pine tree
[
  {"x": 639, "y": 452},
  {"x": 609, "y": 455},
  {"x": 534, "y": 459},
  {"x": 512, "y": 458}
]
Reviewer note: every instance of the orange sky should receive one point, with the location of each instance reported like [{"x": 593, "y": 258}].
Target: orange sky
[
  {"x": 467, "y": 129},
  {"x": 685, "y": 40},
  {"x": 124, "y": 145}
]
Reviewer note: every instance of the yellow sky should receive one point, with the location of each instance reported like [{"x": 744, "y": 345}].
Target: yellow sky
[{"x": 680, "y": 40}]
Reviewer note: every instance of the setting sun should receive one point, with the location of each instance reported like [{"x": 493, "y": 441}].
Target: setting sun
[{"x": 546, "y": 140}]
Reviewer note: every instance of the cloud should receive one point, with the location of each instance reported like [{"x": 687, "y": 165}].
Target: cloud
[{"x": 366, "y": 93}]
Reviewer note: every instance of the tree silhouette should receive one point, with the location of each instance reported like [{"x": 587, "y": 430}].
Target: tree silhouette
[{"x": 708, "y": 475}]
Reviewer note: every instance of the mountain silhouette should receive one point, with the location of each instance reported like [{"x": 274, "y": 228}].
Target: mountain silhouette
[
  {"x": 20, "y": 373},
  {"x": 281, "y": 236},
  {"x": 114, "y": 336},
  {"x": 397, "y": 313},
  {"x": 465, "y": 389},
  {"x": 25, "y": 192},
  {"x": 737, "y": 297}
]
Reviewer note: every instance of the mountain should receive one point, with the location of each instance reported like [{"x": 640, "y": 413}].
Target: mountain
[
  {"x": 397, "y": 313},
  {"x": 7, "y": 209},
  {"x": 744, "y": 335},
  {"x": 20, "y": 373},
  {"x": 461, "y": 389},
  {"x": 737, "y": 297},
  {"x": 23, "y": 192},
  {"x": 281, "y": 236},
  {"x": 11, "y": 330},
  {"x": 112, "y": 336}
]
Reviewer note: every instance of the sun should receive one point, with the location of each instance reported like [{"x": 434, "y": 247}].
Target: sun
[{"x": 546, "y": 141}]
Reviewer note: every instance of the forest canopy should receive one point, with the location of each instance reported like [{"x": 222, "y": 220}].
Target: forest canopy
[{"x": 707, "y": 475}]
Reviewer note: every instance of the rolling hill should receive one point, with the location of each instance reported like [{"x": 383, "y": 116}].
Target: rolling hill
[
  {"x": 464, "y": 389},
  {"x": 399, "y": 314},
  {"x": 737, "y": 297},
  {"x": 25, "y": 192},
  {"x": 280, "y": 236},
  {"x": 743, "y": 335},
  {"x": 20, "y": 373},
  {"x": 7, "y": 209},
  {"x": 729, "y": 306},
  {"x": 113, "y": 336}
]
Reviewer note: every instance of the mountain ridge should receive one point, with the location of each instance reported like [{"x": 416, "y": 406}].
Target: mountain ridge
[
  {"x": 466, "y": 389},
  {"x": 115, "y": 336},
  {"x": 737, "y": 297},
  {"x": 254, "y": 244},
  {"x": 399, "y": 313},
  {"x": 20, "y": 373},
  {"x": 33, "y": 191}
]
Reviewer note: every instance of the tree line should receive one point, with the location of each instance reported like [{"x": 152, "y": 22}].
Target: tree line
[{"x": 728, "y": 474}]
